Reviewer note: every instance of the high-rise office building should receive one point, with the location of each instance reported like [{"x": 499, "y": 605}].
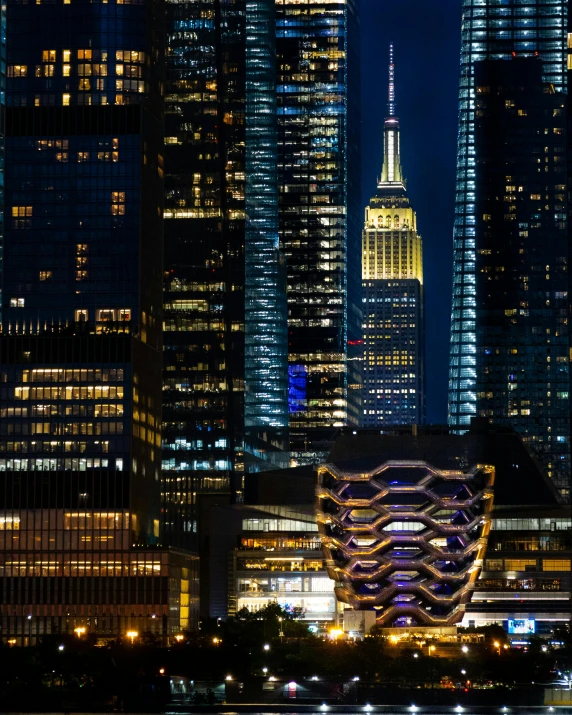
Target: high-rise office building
[
  {"x": 80, "y": 346},
  {"x": 262, "y": 146},
  {"x": 505, "y": 248},
  {"x": 204, "y": 257},
  {"x": 225, "y": 392},
  {"x": 318, "y": 165},
  {"x": 392, "y": 276},
  {"x": 523, "y": 375}
]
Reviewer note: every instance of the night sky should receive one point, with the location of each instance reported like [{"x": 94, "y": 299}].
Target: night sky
[{"x": 426, "y": 35}]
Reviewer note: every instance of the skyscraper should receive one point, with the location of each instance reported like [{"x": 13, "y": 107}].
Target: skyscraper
[
  {"x": 203, "y": 406},
  {"x": 523, "y": 375},
  {"x": 225, "y": 394},
  {"x": 501, "y": 250},
  {"x": 80, "y": 345},
  {"x": 392, "y": 276},
  {"x": 318, "y": 168}
]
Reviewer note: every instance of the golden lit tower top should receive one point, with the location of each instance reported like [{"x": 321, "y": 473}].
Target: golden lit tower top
[{"x": 391, "y": 245}]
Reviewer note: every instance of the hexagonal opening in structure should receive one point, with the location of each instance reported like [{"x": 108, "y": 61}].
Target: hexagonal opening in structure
[
  {"x": 406, "y": 475},
  {"x": 404, "y": 553},
  {"x": 411, "y": 526},
  {"x": 358, "y": 490},
  {"x": 404, "y": 501}
]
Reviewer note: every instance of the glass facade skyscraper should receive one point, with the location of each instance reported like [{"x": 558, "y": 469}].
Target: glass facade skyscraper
[
  {"x": 318, "y": 166},
  {"x": 504, "y": 31},
  {"x": 203, "y": 398},
  {"x": 392, "y": 275},
  {"x": 266, "y": 342},
  {"x": 80, "y": 346},
  {"x": 225, "y": 390}
]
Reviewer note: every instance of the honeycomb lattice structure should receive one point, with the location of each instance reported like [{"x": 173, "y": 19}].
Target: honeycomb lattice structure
[{"x": 406, "y": 539}]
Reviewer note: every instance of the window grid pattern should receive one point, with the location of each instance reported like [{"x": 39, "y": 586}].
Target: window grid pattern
[{"x": 491, "y": 29}]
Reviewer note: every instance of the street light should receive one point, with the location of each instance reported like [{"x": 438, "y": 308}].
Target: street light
[
  {"x": 265, "y": 670},
  {"x": 266, "y": 646},
  {"x": 228, "y": 677},
  {"x": 179, "y": 637},
  {"x": 133, "y": 635},
  {"x": 497, "y": 646},
  {"x": 335, "y": 633},
  {"x": 416, "y": 655},
  {"x": 431, "y": 649},
  {"x": 216, "y": 640},
  {"x": 465, "y": 649},
  {"x": 79, "y": 631},
  {"x": 61, "y": 647}
]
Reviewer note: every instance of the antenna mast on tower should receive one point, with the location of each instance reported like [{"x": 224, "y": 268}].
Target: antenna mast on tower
[{"x": 391, "y": 103}]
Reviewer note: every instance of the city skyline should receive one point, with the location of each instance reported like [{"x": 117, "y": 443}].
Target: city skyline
[{"x": 201, "y": 316}]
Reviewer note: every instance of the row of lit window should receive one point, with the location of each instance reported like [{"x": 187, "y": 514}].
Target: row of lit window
[
  {"x": 56, "y": 446},
  {"x": 69, "y": 375},
  {"x": 76, "y": 567},
  {"x": 61, "y": 428},
  {"x": 81, "y": 464},
  {"x": 88, "y": 392},
  {"x": 527, "y": 564},
  {"x": 90, "y": 54},
  {"x": 83, "y": 70},
  {"x": 54, "y": 410},
  {"x": 52, "y": 519}
]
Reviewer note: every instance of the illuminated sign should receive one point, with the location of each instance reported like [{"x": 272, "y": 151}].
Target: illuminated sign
[{"x": 521, "y": 625}]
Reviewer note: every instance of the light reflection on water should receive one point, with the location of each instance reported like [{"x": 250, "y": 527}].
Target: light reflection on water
[{"x": 319, "y": 709}]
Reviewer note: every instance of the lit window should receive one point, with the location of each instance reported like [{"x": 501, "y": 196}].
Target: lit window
[
  {"x": 17, "y": 302},
  {"x": 81, "y": 248},
  {"x": 118, "y": 203},
  {"x": 66, "y": 55},
  {"x": 17, "y": 70},
  {"x": 66, "y": 70},
  {"x": 81, "y": 275},
  {"x": 84, "y": 84},
  {"x": 65, "y": 99},
  {"x": 48, "y": 56},
  {"x": 84, "y": 54},
  {"x": 105, "y": 314},
  {"x": 45, "y": 275},
  {"x": 81, "y": 316},
  {"x": 82, "y": 156},
  {"x": 18, "y": 211}
]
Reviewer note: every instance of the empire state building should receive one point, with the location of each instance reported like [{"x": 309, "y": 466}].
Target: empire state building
[{"x": 392, "y": 276}]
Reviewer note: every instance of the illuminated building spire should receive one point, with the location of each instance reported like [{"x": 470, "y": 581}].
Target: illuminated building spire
[
  {"x": 391, "y": 103},
  {"x": 391, "y": 173}
]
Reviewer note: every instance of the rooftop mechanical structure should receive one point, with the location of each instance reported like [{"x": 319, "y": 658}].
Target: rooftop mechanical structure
[{"x": 405, "y": 538}]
